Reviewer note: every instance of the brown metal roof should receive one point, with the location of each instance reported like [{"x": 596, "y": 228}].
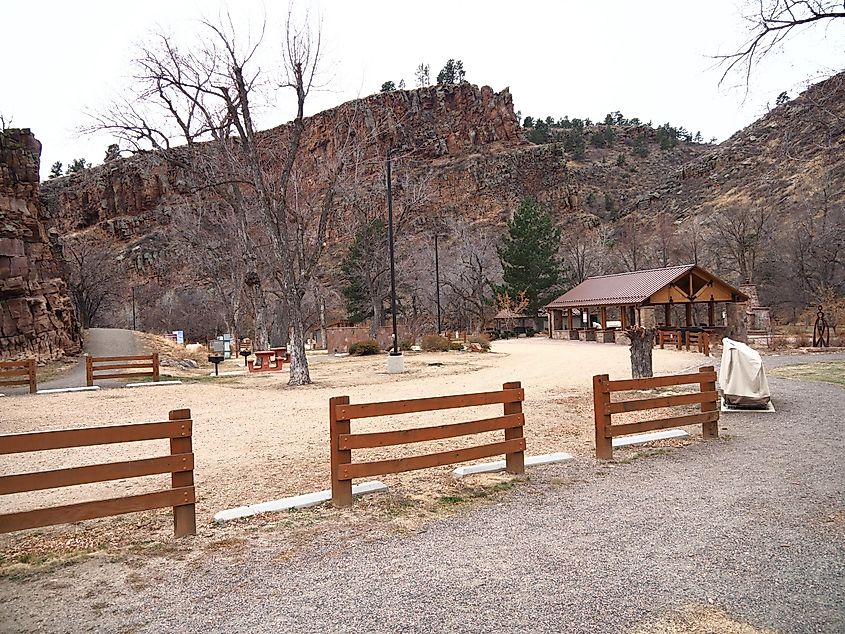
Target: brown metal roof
[{"x": 634, "y": 287}]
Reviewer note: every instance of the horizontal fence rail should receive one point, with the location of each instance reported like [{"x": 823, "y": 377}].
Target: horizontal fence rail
[
  {"x": 121, "y": 367},
  {"x": 698, "y": 340},
  {"x": 343, "y": 441},
  {"x": 707, "y": 399},
  {"x": 12, "y": 373},
  {"x": 180, "y": 464}
]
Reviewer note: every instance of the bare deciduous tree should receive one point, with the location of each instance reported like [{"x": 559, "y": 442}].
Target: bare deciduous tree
[
  {"x": 206, "y": 92},
  {"x": 772, "y": 22}
]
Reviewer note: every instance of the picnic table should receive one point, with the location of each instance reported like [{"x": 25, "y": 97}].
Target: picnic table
[{"x": 267, "y": 361}]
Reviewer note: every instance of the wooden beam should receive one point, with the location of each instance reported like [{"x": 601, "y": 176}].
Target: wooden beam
[
  {"x": 667, "y": 314},
  {"x": 603, "y": 317},
  {"x": 689, "y": 314},
  {"x": 569, "y": 318},
  {"x": 711, "y": 312}
]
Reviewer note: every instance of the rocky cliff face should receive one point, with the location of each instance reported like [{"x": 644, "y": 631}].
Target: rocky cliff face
[{"x": 36, "y": 316}]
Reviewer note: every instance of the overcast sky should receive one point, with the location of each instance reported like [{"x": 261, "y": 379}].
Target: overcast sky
[{"x": 647, "y": 58}]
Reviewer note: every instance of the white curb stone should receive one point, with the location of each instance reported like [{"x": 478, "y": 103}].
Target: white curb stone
[
  {"x": 61, "y": 390},
  {"x": 499, "y": 465},
  {"x": 295, "y": 502},
  {"x": 626, "y": 441},
  {"x": 153, "y": 384}
]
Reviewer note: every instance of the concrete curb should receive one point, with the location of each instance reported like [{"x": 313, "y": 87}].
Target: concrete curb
[
  {"x": 153, "y": 384},
  {"x": 295, "y": 502},
  {"x": 62, "y": 390},
  {"x": 499, "y": 465},
  {"x": 627, "y": 441}
]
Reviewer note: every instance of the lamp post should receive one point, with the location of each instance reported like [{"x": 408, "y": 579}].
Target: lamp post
[
  {"x": 437, "y": 283},
  {"x": 133, "y": 309},
  {"x": 395, "y": 360}
]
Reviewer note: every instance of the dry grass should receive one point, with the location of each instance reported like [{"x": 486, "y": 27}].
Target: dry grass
[
  {"x": 698, "y": 619},
  {"x": 827, "y": 372}
]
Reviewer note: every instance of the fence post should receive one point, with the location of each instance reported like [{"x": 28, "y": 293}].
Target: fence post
[
  {"x": 155, "y": 366},
  {"x": 89, "y": 370},
  {"x": 33, "y": 388},
  {"x": 709, "y": 430},
  {"x": 601, "y": 399},
  {"x": 341, "y": 489},
  {"x": 184, "y": 515},
  {"x": 515, "y": 461},
  {"x": 660, "y": 338},
  {"x": 705, "y": 338}
]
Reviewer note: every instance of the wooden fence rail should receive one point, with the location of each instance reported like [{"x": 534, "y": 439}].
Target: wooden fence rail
[
  {"x": 603, "y": 387},
  {"x": 180, "y": 464},
  {"x": 104, "y": 367},
  {"x": 341, "y": 413},
  {"x": 699, "y": 340},
  {"x": 11, "y": 371}
]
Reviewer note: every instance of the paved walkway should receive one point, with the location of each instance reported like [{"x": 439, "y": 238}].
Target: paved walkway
[{"x": 753, "y": 525}]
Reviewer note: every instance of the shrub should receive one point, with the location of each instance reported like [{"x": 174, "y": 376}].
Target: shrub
[
  {"x": 530, "y": 332},
  {"x": 406, "y": 344},
  {"x": 456, "y": 345},
  {"x": 481, "y": 340},
  {"x": 361, "y": 348},
  {"x": 435, "y": 343}
]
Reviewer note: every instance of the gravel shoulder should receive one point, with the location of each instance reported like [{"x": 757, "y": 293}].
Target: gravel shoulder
[{"x": 751, "y": 527}]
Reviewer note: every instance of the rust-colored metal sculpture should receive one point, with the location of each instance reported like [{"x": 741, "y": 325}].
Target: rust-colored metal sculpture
[{"x": 821, "y": 331}]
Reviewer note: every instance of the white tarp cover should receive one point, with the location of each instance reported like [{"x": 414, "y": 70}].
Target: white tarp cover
[{"x": 742, "y": 376}]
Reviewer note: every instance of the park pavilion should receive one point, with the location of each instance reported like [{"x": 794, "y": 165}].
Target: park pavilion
[{"x": 680, "y": 297}]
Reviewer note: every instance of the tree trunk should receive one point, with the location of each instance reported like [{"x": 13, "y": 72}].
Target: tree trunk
[
  {"x": 324, "y": 341},
  {"x": 642, "y": 342},
  {"x": 378, "y": 318},
  {"x": 299, "y": 374},
  {"x": 262, "y": 334}
]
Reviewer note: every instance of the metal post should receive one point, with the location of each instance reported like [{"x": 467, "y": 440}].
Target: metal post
[
  {"x": 392, "y": 263},
  {"x": 134, "y": 327},
  {"x": 437, "y": 284}
]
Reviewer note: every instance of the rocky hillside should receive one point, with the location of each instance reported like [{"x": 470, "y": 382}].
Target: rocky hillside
[
  {"x": 465, "y": 143},
  {"x": 37, "y": 318}
]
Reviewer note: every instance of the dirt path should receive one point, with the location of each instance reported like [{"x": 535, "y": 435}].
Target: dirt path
[
  {"x": 99, "y": 342},
  {"x": 741, "y": 535}
]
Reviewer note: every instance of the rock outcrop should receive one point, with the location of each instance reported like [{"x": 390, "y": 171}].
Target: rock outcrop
[{"x": 37, "y": 318}]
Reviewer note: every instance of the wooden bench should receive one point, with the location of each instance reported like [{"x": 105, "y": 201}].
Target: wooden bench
[
  {"x": 11, "y": 371},
  {"x": 104, "y": 367},
  {"x": 604, "y": 408},
  {"x": 341, "y": 413},
  {"x": 179, "y": 463}
]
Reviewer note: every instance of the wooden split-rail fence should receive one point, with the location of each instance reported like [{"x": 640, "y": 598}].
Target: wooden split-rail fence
[
  {"x": 699, "y": 341},
  {"x": 342, "y": 412},
  {"x": 179, "y": 463},
  {"x": 97, "y": 368},
  {"x": 707, "y": 397},
  {"x": 11, "y": 373}
]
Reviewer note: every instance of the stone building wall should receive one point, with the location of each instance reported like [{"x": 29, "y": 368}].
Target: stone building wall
[{"x": 37, "y": 318}]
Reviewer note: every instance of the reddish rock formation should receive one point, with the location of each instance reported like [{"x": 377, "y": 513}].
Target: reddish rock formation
[{"x": 36, "y": 316}]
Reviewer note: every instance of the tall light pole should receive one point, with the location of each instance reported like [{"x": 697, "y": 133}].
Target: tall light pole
[
  {"x": 437, "y": 283},
  {"x": 133, "y": 309},
  {"x": 395, "y": 360}
]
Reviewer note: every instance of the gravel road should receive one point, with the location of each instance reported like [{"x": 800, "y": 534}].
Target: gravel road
[{"x": 752, "y": 524}]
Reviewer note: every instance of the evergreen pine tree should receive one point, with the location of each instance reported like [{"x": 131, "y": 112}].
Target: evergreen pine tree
[
  {"x": 56, "y": 169},
  {"x": 364, "y": 268},
  {"x": 528, "y": 252}
]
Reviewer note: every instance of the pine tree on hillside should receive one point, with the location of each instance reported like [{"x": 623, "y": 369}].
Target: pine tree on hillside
[
  {"x": 365, "y": 269},
  {"x": 56, "y": 169},
  {"x": 528, "y": 252}
]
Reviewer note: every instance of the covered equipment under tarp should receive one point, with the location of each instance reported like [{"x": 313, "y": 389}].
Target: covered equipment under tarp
[{"x": 742, "y": 376}]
